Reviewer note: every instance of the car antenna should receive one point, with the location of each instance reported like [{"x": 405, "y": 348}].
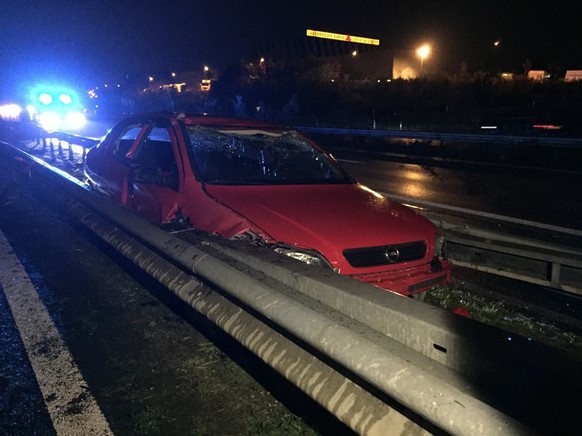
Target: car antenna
[{"x": 171, "y": 100}]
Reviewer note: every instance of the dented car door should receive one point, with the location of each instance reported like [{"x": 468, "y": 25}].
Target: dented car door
[{"x": 154, "y": 175}]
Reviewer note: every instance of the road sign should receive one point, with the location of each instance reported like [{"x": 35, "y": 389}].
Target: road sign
[{"x": 340, "y": 37}]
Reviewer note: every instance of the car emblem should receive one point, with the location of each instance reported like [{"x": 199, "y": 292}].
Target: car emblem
[{"x": 392, "y": 254}]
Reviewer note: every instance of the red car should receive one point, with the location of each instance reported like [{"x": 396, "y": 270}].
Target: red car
[{"x": 252, "y": 180}]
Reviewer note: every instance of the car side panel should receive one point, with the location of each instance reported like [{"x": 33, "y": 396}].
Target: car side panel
[{"x": 108, "y": 176}]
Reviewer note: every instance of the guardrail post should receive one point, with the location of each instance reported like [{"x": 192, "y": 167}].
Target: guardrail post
[{"x": 554, "y": 272}]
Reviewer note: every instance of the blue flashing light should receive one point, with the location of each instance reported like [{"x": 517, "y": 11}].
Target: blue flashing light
[
  {"x": 65, "y": 99},
  {"x": 45, "y": 98},
  {"x": 56, "y": 107}
]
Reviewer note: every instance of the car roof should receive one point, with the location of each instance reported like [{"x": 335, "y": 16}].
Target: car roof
[{"x": 214, "y": 121}]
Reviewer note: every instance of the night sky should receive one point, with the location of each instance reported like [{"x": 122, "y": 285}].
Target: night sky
[{"x": 95, "y": 41}]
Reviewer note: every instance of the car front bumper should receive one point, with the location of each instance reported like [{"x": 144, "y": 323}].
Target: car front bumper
[{"x": 409, "y": 281}]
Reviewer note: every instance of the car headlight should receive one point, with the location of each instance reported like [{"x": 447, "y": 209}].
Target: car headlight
[
  {"x": 75, "y": 120},
  {"x": 10, "y": 111},
  {"x": 310, "y": 257},
  {"x": 50, "y": 121}
]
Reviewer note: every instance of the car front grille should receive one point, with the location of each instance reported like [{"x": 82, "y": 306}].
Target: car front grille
[{"x": 385, "y": 254}]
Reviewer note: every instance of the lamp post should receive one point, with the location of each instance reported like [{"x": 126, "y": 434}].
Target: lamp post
[{"x": 423, "y": 52}]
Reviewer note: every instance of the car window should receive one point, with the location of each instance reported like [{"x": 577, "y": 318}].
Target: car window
[
  {"x": 126, "y": 140},
  {"x": 154, "y": 159},
  {"x": 260, "y": 157}
]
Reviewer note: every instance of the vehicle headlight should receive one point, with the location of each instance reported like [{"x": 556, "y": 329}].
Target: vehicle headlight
[
  {"x": 50, "y": 121},
  {"x": 75, "y": 120},
  {"x": 310, "y": 257},
  {"x": 10, "y": 111},
  {"x": 31, "y": 112}
]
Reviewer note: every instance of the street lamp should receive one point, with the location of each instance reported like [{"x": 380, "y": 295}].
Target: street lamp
[{"x": 423, "y": 52}]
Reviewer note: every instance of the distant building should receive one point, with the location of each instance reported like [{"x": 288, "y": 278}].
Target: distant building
[
  {"x": 188, "y": 81},
  {"x": 205, "y": 85},
  {"x": 405, "y": 67},
  {"x": 573, "y": 76},
  {"x": 538, "y": 75}
]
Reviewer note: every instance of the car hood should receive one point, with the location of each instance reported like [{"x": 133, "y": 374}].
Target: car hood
[{"x": 328, "y": 218}]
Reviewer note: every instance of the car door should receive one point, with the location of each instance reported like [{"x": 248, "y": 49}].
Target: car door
[
  {"x": 154, "y": 174},
  {"x": 107, "y": 166}
]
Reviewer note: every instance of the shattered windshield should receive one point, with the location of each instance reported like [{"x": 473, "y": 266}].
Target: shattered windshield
[{"x": 244, "y": 157}]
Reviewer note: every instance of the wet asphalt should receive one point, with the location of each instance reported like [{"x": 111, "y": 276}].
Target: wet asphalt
[{"x": 22, "y": 407}]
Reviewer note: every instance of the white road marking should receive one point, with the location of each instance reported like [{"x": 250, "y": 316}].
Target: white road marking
[
  {"x": 72, "y": 408},
  {"x": 349, "y": 161}
]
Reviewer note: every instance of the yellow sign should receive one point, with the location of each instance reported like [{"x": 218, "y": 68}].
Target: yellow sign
[{"x": 340, "y": 37}]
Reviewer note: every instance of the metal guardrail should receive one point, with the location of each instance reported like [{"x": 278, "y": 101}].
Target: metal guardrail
[
  {"x": 551, "y": 141},
  {"x": 376, "y": 350},
  {"x": 66, "y": 138},
  {"x": 523, "y": 259}
]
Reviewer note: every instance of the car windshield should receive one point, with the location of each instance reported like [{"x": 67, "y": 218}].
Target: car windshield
[{"x": 246, "y": 157}]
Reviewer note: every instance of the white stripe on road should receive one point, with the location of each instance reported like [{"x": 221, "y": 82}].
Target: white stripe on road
[{"x": 72, "y": 408}]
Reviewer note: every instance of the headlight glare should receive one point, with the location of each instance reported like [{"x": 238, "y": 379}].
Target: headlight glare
[
  {"x": 75, "y": 120},
  {"x": 10, "y": 111},
  {"x": 50, "y": 121}
]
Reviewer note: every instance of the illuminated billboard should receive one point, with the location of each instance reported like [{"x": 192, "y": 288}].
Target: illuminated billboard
[{"x": 340, "y": 37}]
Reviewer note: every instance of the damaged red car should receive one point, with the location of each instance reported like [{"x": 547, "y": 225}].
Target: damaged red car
[{"x": 252, "y": 180}]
